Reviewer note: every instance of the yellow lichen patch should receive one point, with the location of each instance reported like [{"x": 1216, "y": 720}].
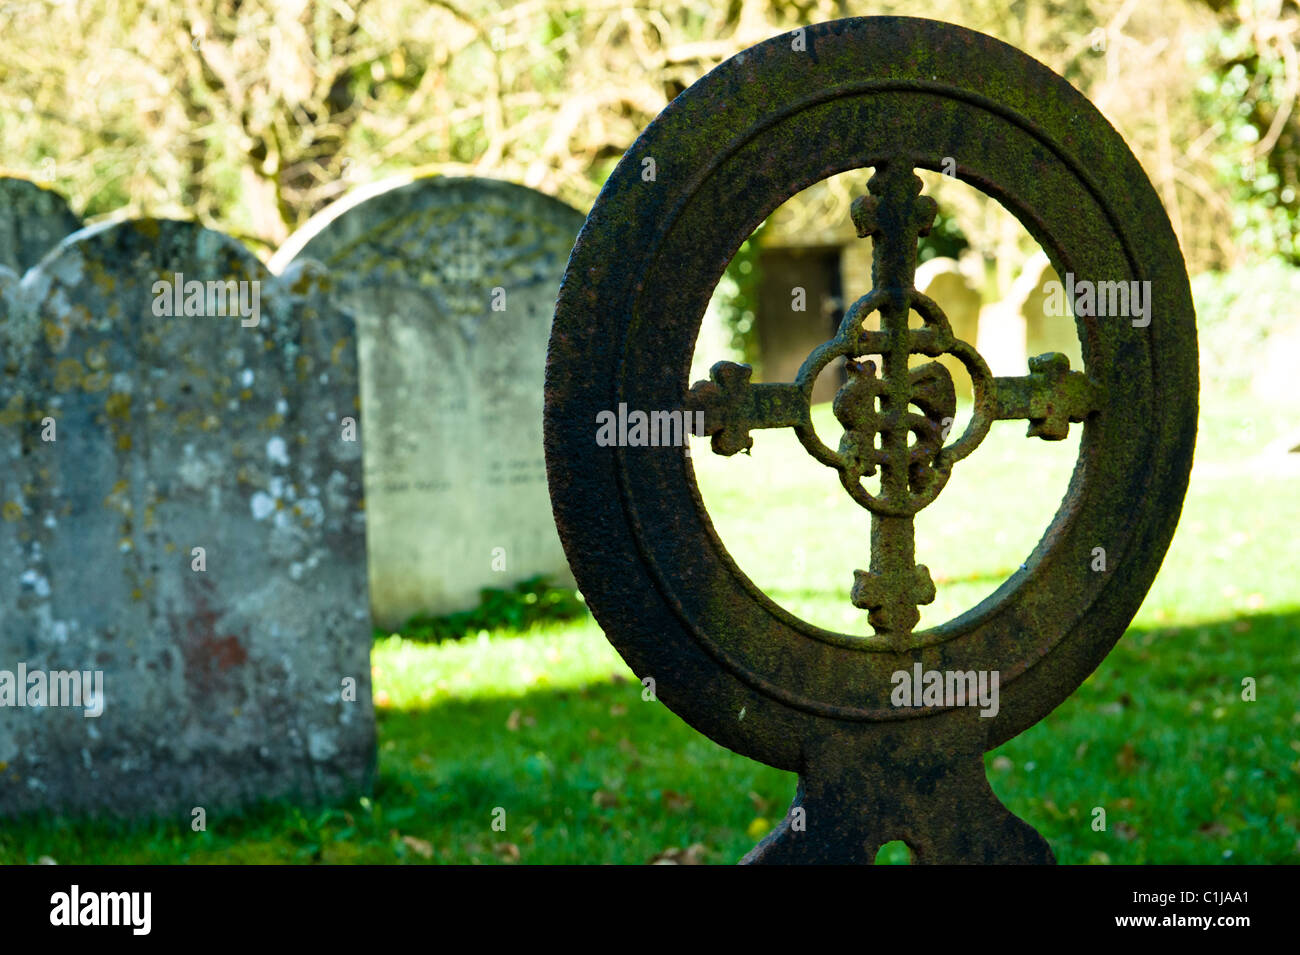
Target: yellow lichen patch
[
  {"x": 211, "y": 423},
  {"x": 104, "y": 279},
  {"x": 245, "y": 394},
  {"x": 96, "y": 381},
  {"x": 68, "y": 374},
  {"x": 169, "y": 547},
  {"x": 268, "y": 345},
  {"x": 12, "y": 413},
  {"x": 118, "y": 406},
  {"x": 82, "y": 315},
  {"x": 125, "y": 544},
  {"x": 124, "y": 442},
  {"x": 242, "y": 477},
  {"x": 279, "y": 504},
  {"x": 336, "y": 353},
  {"x": 272, "y": 422},
  {"x": 55, "y": 335},
  {"x": 97, "y": 357},
  {"x": 12, "y": 511},
  {"x": 303, "y": 365},
  {"x": 137, "y": 594},
  {"x": 159, "y": 405},
  {"x": 148, "y": 228},
  {"x": 187, "y": 420},
  {"x": 117, "y": 499}
]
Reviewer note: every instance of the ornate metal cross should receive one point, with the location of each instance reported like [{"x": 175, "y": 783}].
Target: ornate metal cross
[
  {"x": 882, "y": 434},
  {"x": 892, "y": 94}
]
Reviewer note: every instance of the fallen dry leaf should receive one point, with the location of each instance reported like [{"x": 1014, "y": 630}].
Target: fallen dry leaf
[
  {"x": 508, "y": 851},
  {"x": 691, "y": 855},
  {"x": 419, "y": 846},
  {"x": 1127, "y": 758},
  {"x": 675, "y": 802}
]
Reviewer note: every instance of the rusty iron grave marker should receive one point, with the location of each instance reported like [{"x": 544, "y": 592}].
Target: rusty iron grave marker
[{"x": 895, "y": 95}]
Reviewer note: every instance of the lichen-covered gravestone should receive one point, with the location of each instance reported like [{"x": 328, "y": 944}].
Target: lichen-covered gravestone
[
  {"x": 33, "y": 220},
  {"x": 453, "y": 283},
  {"x": 182, "y": 544}
]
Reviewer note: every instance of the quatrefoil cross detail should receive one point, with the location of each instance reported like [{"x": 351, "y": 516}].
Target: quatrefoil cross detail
[{"x": 882, "y": 433}]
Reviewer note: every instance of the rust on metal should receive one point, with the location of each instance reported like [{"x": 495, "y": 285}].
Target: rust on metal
[{"x": 894, "y": 95}]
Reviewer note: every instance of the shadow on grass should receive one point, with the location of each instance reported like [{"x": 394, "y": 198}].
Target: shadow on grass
[{"x": 1159, "y": 738}]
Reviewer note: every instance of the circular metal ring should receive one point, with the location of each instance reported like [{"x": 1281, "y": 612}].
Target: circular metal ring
[{"x": 728, "y": 152}]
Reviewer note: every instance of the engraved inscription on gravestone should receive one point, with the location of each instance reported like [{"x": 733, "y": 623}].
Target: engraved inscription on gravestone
[{"x": 453, "y": 283}]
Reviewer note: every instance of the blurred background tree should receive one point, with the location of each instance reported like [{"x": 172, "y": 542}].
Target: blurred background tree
[{"x": 253, "y": 114}]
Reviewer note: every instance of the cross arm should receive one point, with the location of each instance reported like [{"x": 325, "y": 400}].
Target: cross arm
[
  {"x": 1050, "y": 397},
  {"x": 733, "y": 406}
]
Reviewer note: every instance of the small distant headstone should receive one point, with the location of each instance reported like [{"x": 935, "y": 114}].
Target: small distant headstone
[
  {"x": 1001, "y": 339},
  {"x": 181, "y": 539},
  {"x": 943, "y": 280},
  {"x": 1049, "y": 327},
  {"x": 453, "y": 283},
  {"x": 33, "y": 220}
]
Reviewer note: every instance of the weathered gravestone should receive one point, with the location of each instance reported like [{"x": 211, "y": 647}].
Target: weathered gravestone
[
  {"x": 1038, "y": 296},
  {"x": 453, "y": 283},
  {"x": 942, "y": 279},
  {"x": 33, "y": 220},
  {"x": 880, "y": 727},
  {"x": 182, "y": 572}
]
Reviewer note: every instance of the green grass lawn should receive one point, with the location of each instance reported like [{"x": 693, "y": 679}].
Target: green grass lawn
[{"x": 550, "y": 726}]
